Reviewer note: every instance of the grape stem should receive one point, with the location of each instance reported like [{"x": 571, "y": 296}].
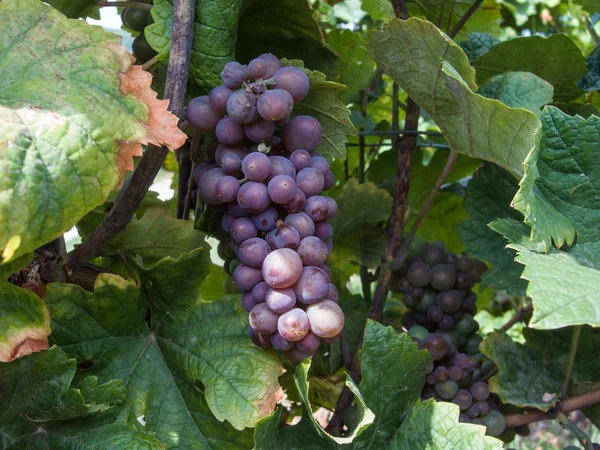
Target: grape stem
[
  {"x": 464, "y": 18},
  {"x": 569, "y": 367},
  {"x": 590, "y": 29},
  {"x": 581, "y": 435},
  {"x": 194, "y": 150},
  {"x": 517, "y": 317},
  {"x": 132, "y": 194},
  {"x": 565, "y": 406},
  {"x": 183, "y": 177},
  {"x": 150, "y": 62}
]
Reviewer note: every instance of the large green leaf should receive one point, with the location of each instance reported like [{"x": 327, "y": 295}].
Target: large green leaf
[
  {"x": 378, "y": 9},
  {"x": 559, "y": 193},
  {"x": 563, "y": 285},
  {"x": 39, "y": 407},
  {"x": 60, "y": 157},
  {"x": 244, "y": 29},
  {"x": 75, "y": 8},
  {"x": 324, "y": 104},
  {"x": 444, "y": 88},
  {"x": 24, "y": 322},
  {"x": 530, "y": 54},
  {"x": 489, "y": 196},
  {"x": 477, "y": 45},
  {"x": 434, "y": 425},
  {"x": 154, "y": 236},
  {"x": 519, "y": 90},
  {"x": 524, "y": 378},
  {"x": 193, "y": 359}
]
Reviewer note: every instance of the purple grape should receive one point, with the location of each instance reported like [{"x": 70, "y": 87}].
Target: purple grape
[
  {"x": 281, "y": 166},
  {"x": 329, "y": 178},
  {"x": 260, "y": 130},
  {"x": 253, "y": 252},
  {"x": 332, "y": 207},
  {"x": 227, "y": 188},
  {"x": 233, "y": 75},
  {"x": 473, "y": 411},
  {"x": 463, "y": 399},
  {"x": 310, "y": 181},
  {"x": 309, "y": 343},
  {"x": 294, "y": 81},
  {"x": 286, "y": 237},
  {"x": 455, "y": 373},
  {"x": 272, "y": 64},
  {"x": 259, "y": 339},
  {"x": 206, "y": 187},
  {"x": 296, "y": 356},
  {"x": 248, "y": 301},
  {"x": 282, "y": 268},
  {"x": 319, "y": 163},
  {"x": 223, "y": 149},
  {"x": 323, "y": 230},
  {"x": 461, "y": 360},
  {"x": 303, "y": 132},
  {"x": 201, "y": 115},
  {"x": 317, "y": 207},
  {"x": 270, "y": 238},
  {"x": 281, "y": 343},
  {"x": 200, "y": 171},
  {"x": 449, "y": 301},
  {"x": 236, "y": 210},
  {"x": 331, "y": 340},
  {"x": 229, "y": 132},
  {"x": 266, "y": 220},
  {"x": 484, "y": 407},
  {"x": 333, "y": 294},
  {"x": 303, "y": 224},
  {"x": 480, "y": 390},
  {"x": 281, "y": 189},
  {"x": 246, "y": 277},
  {"x": 231, "y": 163},
  {"x": 243, "y": 229},
  {"x": 218, "y": 98},
  {"x": 253, "y": 196},
  {"x": 435, "y": 314},
  {"x": 262, "y": 319},
  {"x": 241, "y": 107},
  {"x": 446, "y": 323},
  {"x": 312, "y": 251},
  {"x": 300, "y": 159},
  {"x": 281, "y": 300},
  {"x": 259, "y": 292},
  {"x": 293, "y": 325},
  {"x": 256, "y": 166},
  {"x": 446, "y": 389},
  {"x": 437, "y": 346},
  {"x": 274, "y": 105},
  {"x": 441, "y": 373},
  {"x": 297, "y": 203},
  {"x": 257, "y": 68},
  {"x": 326, "y": 319},
  {"x": 312, "y": 286}
]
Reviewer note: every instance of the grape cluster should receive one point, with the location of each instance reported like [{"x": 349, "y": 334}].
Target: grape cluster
[
  {"x": 436, "y": 289},
  {"x": 137, "y": 20},
  {"x": 266, "y": 176}
]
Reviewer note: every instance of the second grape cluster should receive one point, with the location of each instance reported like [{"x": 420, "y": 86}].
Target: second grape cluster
[{"x": 265, "y": 175}]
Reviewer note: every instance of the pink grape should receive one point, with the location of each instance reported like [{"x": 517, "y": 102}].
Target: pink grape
[
  {"x": 323, "y": 230},
  {"x": 246, "y": 277},
  {"x": 282, "y": 268},
  {"x": 326, "y": 318},
  {"x": 218, "y": 98},
  {"x": 303, "y": 132},
  {"x": 281, "y": 189},
  {"x": 297, "y": 203},
  {"x": 303, "y": 224},
  {"x": 286, "y": 237},
  {"x": 253, "y": 252},
  {"x": 201, "y": 115},
  {"x": 281, "y": 343},
  {"x": 243, "y": 229},
  {"x": 253, "y": 196},
  {"x": 227, "y": 188},
  {"x": 257, "y": 68},
  {"x": 294, "y": 81},
  {"x": 312, "y": 251},
  {"x": 309, "y": 343},
  {"x": 312, "y": 285},
  {"x": 293, "y": 325},
  {"x": 256, "y": 166},
  {"x": 266, "y": 220},
  {"x": 272, "y": 64},
  {"x": 207, "y": 185},
  {"x": 241, "y": 107},
  {"x": 259, "y": 131},
  {"x": 263, "y": 320},
  {"x": 259, "y": 292},
  {"x": 310, "y": 181},
  {"x": 275, "y": 104},
  {"x": 229, "y": 131},
  {"x": 281, "y": 300},
  {"x": 300, "y": 159}
]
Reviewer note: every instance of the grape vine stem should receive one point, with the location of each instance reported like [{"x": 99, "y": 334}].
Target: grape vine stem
[
  {"x": 569, "y": 367},
  {"x": 132, "y": 194},
  {"x": 581, "y": 435},
  {"x": 565, "y": 406}
]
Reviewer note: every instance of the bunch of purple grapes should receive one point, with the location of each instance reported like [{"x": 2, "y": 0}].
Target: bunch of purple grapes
[
  {"x": 436, "y": 287},
  {"x": 266, "y": 176}
]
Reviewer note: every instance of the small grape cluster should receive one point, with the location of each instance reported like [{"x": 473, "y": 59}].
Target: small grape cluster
[
  {"x": 436, "y": 289},
  {"x": 137, "y": 20},
  {"x": 273, "y": 211}
]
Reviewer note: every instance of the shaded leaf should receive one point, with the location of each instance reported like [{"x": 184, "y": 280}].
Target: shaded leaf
[
  {"x": 213, "y": 287},
  {"x": 584, "y": 110},
  {"x": 74, "y": 8},
  {"x": 559, "y": 193},
  {"x": 472, "y": 124},
  {"x": 591, "y": 80},
  {"x": 519, "y": 90},
  {"x": 477, "y": 45},
  {"x": 378, "y": 9},
  {"x": 530, "y": 54},
  {"x": 489, "y": 196},
  {"x": 47, "y": 91}
]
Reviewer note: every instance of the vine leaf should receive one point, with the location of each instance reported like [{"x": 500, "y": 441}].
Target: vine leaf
[
  {"x": 75, "y": 8},
  {"x": 434, "y": 425},
  {"x": 59, "y": 156},
  {"x": 39, "y": 404},
  {"x": 24, "y": 323},
  {"x": 444, "y": 88},
  {"x": 562, "y": 285},
  {"x": 559, "y": 193},
  {"x": 477, "y": 45},
  {"x": 519, "y": 90},
  {"x": 591, "y": 80},
  {"x": 378, "y": 9},
  {"x": 191, "y": 361},
  {"x": 530, "y": 54},
  {"x": 489, "y": 196}
]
